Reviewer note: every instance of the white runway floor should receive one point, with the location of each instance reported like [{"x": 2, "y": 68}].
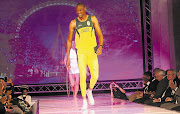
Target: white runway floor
[{"x": 103, "y": 105}]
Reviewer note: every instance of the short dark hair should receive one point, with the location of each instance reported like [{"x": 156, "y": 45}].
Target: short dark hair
[
  {"x": 148, "y": 73},
  {"x": 80, "y": 4},
  {"x": 22, "y": 89}
]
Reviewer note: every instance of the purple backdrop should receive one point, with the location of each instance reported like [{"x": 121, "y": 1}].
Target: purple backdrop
[{"x": 33, "y": 34}]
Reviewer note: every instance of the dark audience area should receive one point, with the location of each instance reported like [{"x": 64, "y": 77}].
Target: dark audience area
[
  {"x": 11, "y": 104},
  {"x": 160, "y": 89}
]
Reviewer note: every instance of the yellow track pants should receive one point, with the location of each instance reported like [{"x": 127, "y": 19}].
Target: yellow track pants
[{"x": 87, "y": 57}]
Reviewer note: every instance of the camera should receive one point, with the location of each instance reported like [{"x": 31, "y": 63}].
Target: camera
[{"x": 113, "y": 85}]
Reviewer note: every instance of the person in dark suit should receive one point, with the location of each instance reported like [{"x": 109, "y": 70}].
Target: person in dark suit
[
  {"x": 117, "y": 92},
  {"x": 175, "y": 104},
  {"x": 177, "y": 100},
  {"x": 168, "y": 94},
  {"x": 161, "y": 87},
  {"x": 149, "y": 87}
]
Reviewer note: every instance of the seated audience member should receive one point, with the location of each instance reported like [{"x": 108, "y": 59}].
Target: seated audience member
[
  {"x": 25, "y": 96},
  {"x": 168, "y": 94},
  {"x": 8, "y": 96},
  {"x": 117, "y": 92},
  {"x": 146, "y": 81},
  {"x": 24, "y": 101},
  {"x": 3, "y": 109},
  {"x": 161, "y": 88},
  {"x": 149, "y": 87},
  {"x": 175, "y": 104}
]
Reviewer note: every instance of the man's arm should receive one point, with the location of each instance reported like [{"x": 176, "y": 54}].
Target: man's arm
[
  {"x": 99, "y": 33},
  {"x": 112, "y": 95},
  {"x": 72, "y": 27},
  {"x": 178, "y": 91}
]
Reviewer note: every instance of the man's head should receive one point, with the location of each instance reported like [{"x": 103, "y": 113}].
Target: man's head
[
  {"x": 147, "y": 76},
  {"x": 160, "y": 75},
  {"x": 171, "y": 74},
  {"x": 155, "y": 72},
  {"x": 24, "y": 89},
  {"x": 80, "y": 10},
  {"x": 24, "y": 92}
]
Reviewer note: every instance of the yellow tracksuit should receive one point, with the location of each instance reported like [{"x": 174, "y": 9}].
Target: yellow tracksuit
[{"x": 86, "y": 46}]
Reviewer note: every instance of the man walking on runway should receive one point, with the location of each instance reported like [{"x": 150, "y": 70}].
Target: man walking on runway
[{"x": 87, "y": 50}]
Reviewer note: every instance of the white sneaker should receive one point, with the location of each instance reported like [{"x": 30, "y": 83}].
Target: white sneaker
[
  {"x": 84, "y": 107},
  {"x": 90, "y": 97}
]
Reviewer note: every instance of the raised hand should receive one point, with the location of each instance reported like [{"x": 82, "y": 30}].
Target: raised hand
[{"x": 172, "y": 84}]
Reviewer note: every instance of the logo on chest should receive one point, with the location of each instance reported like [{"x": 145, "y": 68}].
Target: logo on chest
[
  {"x": 79, "y": 25},
  {"x": 85, "y": 30},
  {"x": 88, "y": 23}
]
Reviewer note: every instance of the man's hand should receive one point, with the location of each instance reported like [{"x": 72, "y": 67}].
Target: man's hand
[
  {"x": 99, "y": 50},
  {"x": 168, "y": 99},
  {"x": 138, "y": 92},
  {"x": 9, "y": 110},
  {"x": 10, "y": 105},
  {"x": 172, "y": 84},
  {"x": 156, "y": 100},
  {"x": 68, "y": 63},
  {"x": 152, "y": 94}
]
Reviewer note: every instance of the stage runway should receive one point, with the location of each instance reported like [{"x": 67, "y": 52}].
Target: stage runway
[{"x": 103, "y": 105}]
